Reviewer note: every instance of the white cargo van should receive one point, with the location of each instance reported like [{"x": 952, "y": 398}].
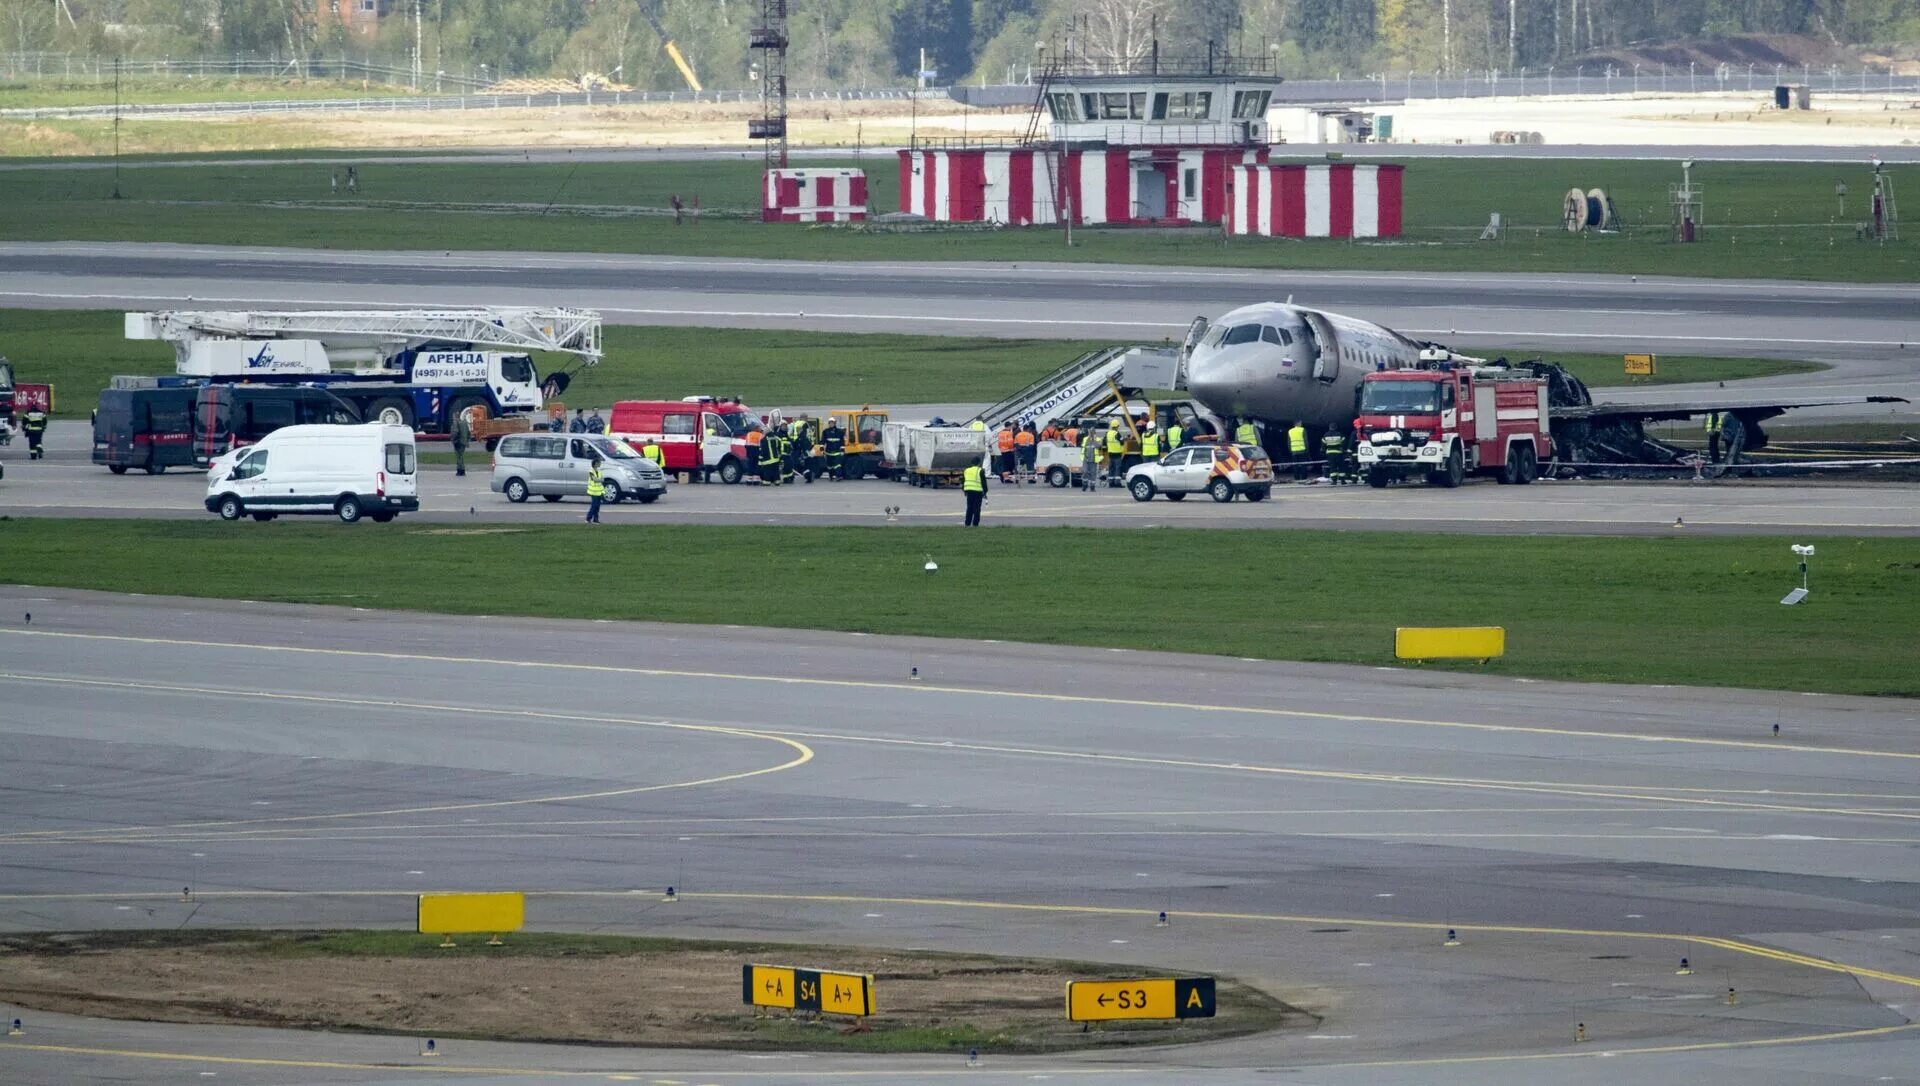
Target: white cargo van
[{"x": 349, "y": 471}]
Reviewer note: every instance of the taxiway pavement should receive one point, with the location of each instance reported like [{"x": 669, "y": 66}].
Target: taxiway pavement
[
  {"x": 1312, "y": 829},
  {"x": 67, "y": 484}
]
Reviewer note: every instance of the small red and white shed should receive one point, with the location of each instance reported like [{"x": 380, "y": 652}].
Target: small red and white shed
[
  {"x": 1337, "y": 200},
  {"x": 814, "y": 195}
]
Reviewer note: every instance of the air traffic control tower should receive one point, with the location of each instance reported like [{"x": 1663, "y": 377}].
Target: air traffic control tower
[{"x": 1145, "y": 141}]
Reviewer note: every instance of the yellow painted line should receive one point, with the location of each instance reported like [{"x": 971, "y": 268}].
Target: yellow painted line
[
  {"x": 396, "y": 1068},
  {"x": 792, "y": 738},
  {"x": 1045, "y": 908},
  {"x": 1649, "y": 1050},
  {"x": 1557, "y": 788},
  {"x": 995, "y": 835},
  {"x": 918, "y": 1071},
  {"x": 1282, "y": 918},
  {"x": 804, "y": 754},
  {"x": 869, "y": 684}
]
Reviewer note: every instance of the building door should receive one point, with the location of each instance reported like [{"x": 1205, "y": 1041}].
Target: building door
[{"x": 1150, "y": 194}]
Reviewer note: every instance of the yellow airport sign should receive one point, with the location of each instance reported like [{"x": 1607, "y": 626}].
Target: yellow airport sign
[
  {"x": 454, "y": 914},
  {"x": 1449, "y": 642},
  {"x": 1157, "y": 997},
  {"x": 1641, "y": 365},
  {"x": 819, "y": 990}
]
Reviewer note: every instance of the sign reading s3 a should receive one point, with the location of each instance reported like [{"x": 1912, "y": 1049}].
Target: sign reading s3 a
[{"x": 450, "y": 368}]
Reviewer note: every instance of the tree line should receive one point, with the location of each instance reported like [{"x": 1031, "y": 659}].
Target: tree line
[{"x": 880, "y": 42}]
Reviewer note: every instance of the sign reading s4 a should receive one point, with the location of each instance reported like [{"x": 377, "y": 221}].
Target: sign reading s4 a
[
  {"x": 818, "y": 990},
  {"x": 1157, "y": 997}
]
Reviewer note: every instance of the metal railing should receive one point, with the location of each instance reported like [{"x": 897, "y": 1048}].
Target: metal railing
[{"x": 478, "y": 100}]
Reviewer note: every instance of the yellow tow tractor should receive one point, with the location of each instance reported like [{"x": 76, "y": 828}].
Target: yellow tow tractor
[{"x": 863, "y": 448}]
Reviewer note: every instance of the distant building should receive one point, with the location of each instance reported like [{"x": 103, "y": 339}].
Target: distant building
[
  {"x": 359, "y": 16},
  {"x": 1158, "y": 141}
]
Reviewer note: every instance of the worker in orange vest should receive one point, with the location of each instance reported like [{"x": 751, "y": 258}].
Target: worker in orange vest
[
  {"x": 1023, "y": 448},
  {"x": 1003, "y": 441},
  {"x": 1052, "y": 432}
]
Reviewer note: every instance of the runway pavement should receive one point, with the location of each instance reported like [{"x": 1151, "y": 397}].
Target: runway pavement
[
  {"x": 1311, "y": 829},
  {"x": 67, "y": 484},
  {"x": 1870, "y": 334}
]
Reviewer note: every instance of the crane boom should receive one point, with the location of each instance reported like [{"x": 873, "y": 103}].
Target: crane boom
[
  {"x": 673, "y": 51},
  {"x": 572, "y": 331}
]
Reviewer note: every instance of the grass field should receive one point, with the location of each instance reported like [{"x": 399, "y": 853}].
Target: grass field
[
  {"x": 592, "y": 989},
  {"x": 1765, "y": 219},
  {"x": 1655, "y": 610},
  {"x": 79, "y": 350}
]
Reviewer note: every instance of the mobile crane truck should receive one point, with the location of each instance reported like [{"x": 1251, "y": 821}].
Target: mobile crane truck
[{"x": 405, "y": 367}]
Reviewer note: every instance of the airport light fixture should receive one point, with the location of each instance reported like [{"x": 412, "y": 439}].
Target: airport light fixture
[{"x": 1805, "y": 551}]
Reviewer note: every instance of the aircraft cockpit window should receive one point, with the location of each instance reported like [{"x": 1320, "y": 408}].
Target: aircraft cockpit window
[
  {"x": 1214, "y": 336},
  {"x": 1276, "y": 336},
  {"x": 1243, "y": 333}
]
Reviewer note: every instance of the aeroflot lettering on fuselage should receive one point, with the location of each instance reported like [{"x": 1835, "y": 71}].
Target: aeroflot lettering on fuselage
[{"x": 450, "y": 368}]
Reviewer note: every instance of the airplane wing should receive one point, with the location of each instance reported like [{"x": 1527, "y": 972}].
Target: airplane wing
[{"x": 1747, "y": 410}]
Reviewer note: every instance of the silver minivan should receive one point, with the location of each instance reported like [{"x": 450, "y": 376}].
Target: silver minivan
[{"x": 554, "y": 466}]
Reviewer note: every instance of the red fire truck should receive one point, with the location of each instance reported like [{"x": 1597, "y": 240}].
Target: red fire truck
[
  {"x": 1443, "y": 420},
  {"x": 697, "y": 435}
]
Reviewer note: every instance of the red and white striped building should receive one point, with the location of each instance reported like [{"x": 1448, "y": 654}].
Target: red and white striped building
[
  {"x": 1337, "y": 200},
  {"x": 1150, "y": 146},
  {"x": 1101, "y": 186},
  {"x": 814, "y": 195}
]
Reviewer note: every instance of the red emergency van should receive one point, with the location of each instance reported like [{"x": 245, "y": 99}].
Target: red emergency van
[{"x": 697, "y": 435}]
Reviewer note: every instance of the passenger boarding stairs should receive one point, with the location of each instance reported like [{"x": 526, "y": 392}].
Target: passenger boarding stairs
[{"x": 1070, "y": 391}]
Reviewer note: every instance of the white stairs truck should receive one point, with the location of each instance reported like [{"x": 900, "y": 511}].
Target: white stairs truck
[
  {"x": 1081, "y": 385},
  {"x": 403, "y": 367}
]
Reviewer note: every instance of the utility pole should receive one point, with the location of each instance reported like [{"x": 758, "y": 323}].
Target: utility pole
[
  {"x": 116, "y": 128},
  {"x": 1446, "y": 35},
  {"x": 419, "y": 34},
  {"x": 1513, "y": 36}
]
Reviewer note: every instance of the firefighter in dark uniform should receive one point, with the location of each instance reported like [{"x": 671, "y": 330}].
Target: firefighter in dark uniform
[
  {"x": 770, "y": 458},
  {"x": 834, "y": 440},
  {"x": 1339, "y": 457},
  {"x": 790, "y": 452},
  {"x": 34, "y": 425}
]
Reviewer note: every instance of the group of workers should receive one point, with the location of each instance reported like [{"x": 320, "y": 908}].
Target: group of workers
[
  {"x": 1108, "y": 452},
  {"x": 785, "y": 450}
]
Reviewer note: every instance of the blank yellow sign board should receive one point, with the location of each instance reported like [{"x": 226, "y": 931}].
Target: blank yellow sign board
[
  {"x": 1641, "y": 365},
  {"x": 454, "y": 914},
  {"x": 1449, "y": 642}
]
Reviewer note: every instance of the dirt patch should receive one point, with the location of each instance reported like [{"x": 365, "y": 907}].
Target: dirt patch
[{"x": 582, "y": 989}]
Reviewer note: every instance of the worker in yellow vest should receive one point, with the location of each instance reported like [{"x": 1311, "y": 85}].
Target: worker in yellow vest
[
  {"x": 1150, "y": 443},
  {"x": 652, "y": 451},
  {"x": 1116, "y": 451},
  {"x": 1246, "y": 433},
  {"x": 596, "y": 490},
  {"x": 1174, "y": 437},
  {"x": 1713, "y": 437},
  {"x": 1297, "y": 449},
  {"x": 973, "y": 483}
]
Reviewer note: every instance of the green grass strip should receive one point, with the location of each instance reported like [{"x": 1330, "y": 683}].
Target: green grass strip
[{"x": 1691, "y": 610}]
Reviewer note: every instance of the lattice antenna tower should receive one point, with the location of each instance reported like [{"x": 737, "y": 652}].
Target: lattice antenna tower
[
  {"x": 770, "y": 39},
  {"x": 1886, "y": 213}
]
